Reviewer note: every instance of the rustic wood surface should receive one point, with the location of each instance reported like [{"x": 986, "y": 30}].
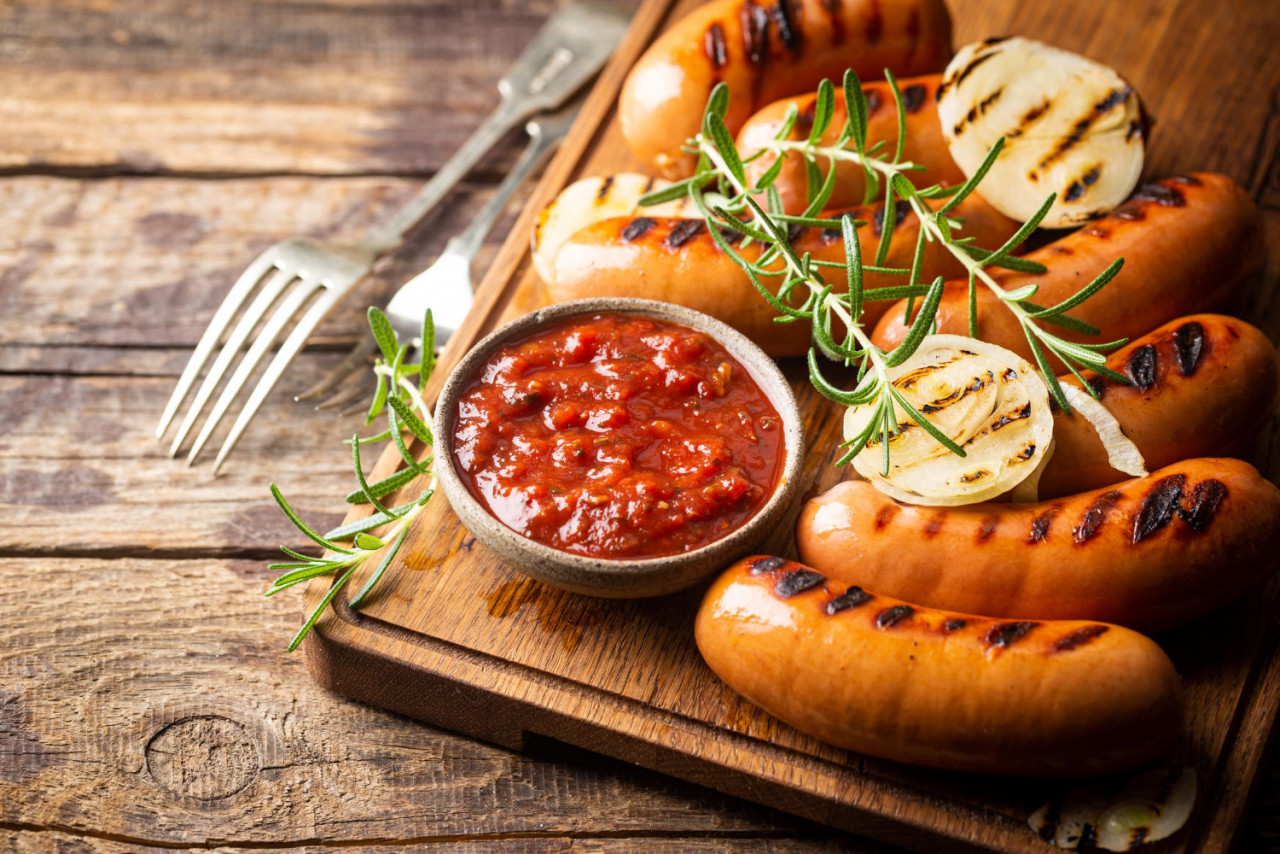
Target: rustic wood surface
[{"x": 150, "y": 149}]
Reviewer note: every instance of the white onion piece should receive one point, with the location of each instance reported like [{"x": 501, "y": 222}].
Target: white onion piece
[
  {"x": 590, "y": 200},
  {"x": 1122, "y": 454},
  {"x": 984, "y": 398},
  {"x": 1028, "y": 492},
  {"x": 1147, "y": 808},
  {"x": 1071, "y": 126}
]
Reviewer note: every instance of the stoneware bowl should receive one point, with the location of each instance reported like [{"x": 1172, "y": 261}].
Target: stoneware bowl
[{"x": 620, "y": 578}]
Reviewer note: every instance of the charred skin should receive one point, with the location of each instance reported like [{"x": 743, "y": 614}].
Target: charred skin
[
  {"x": 1200, "y": 385},
  {"x": 938, "y": 688},
  {"x": 1190, "y": 244},
  {"x": 677, "y": 260},
  {"x": 1151, "y": 553},
  {"x": 924, "y": 144},
  {"x": 765, "y": 50}
]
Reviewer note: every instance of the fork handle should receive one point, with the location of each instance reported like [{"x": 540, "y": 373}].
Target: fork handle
[
  {"x": 507, "y": 115},
  {"x": 541, "y": 143}
]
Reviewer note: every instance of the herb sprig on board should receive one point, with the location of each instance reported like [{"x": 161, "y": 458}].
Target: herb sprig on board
[
  {"x": 800, "y": 290},
  {"x": 398, "y": 396}
]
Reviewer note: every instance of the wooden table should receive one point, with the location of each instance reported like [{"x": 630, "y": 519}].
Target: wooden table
[{"x": 149, "y": 150}]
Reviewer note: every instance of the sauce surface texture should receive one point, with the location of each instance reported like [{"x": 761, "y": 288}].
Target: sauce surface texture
[{"x": 618, "y": 436}]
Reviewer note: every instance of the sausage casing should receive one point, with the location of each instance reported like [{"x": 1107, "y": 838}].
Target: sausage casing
[
  {"x": 937, "y": 688},
  {"x": 1199, "y": 385},
  {"x": 924, "y": 144},
  {"x": 1150, "y": 553},
  {"x": 676, "y": 260},
  {"x": 765, "y": 50},
  {"x": 1189, "y": 244}
]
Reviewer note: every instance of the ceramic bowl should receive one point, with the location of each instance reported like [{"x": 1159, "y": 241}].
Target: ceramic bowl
[{"x": 623, "y": 578}]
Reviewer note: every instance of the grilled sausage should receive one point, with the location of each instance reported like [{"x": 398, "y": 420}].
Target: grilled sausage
[
  {"x": 938, "y": 688},
  {"x": 676, "y": 260},
  {"x": 1189, "y": 243},
  {"x": 765, "y": 50},
  {"x": 1201, "y": 385},
  {"x": 924, "y": 143},
  {"x": 1150, "y": 553}
]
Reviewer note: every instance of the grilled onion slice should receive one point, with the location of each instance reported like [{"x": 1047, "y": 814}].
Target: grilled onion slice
[
  {"x": 1071, "y": 126},
  {"x": 1147, "y": 808},
  {"x": 591, "y": 200},
  {"x": 986, "y": 399}
]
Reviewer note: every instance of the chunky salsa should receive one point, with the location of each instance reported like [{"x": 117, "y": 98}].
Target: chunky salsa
[{"x": 618, "y": 436}]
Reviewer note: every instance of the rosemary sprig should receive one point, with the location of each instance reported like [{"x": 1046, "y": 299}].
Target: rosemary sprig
[
  {"x": 722, "y": 195},
  {"x": 398, "y": 395}
]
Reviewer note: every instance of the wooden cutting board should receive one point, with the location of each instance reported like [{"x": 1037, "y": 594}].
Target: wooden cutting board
[{"x": 459, "y": 639}]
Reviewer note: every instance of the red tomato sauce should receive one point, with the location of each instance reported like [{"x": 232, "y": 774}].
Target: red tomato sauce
[{"x": 618, "y": 436}]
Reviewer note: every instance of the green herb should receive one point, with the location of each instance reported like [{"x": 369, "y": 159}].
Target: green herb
[
  {"x": 722, "y": 195},
  {"x": 399, "y": 397}
]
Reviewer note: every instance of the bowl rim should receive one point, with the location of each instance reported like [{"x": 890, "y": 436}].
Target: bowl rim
[{"x": 749, "y": 354}]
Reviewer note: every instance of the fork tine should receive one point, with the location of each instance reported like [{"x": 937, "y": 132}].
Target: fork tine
[
  {"x": 221, "y": 319},
  {"x": 349, "y": 365},
  {"x": 255, "y": 312},
  {"x": 283, "y": 314},
  {"x": 283, "y": 357}
]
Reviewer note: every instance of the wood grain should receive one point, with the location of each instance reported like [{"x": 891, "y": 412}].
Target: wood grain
[
  {"x": 116, "y": 623},
  {"x": 502, "y": 657}
]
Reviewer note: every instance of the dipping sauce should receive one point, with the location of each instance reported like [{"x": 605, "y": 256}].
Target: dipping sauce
[{"x": 618, "y": 436}]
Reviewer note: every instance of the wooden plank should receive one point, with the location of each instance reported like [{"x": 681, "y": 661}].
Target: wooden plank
[
  {"x": 238, "y": 87},
  {"x": 123, "y": 727},
  {"x": 502, "y": 657},
  {"x": 145, "y": 263}
]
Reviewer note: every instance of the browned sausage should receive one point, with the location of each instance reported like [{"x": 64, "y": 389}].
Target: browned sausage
[
  {"x": 938, "y": 688},
  {"x": 1150, "y": 553},
  {"x": 765, "y": 50},
  {"x": 1189, "y": 244},
  {"x": 924, "y": 144},
  {"x": 676, "y": 260},
  {"x": 1201, "y": 385}
]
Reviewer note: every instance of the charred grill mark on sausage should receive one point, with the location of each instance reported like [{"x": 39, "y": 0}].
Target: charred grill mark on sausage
[
  {"x": 798, "y": 581},
  {"x": 788, "y": 33},
  {"x": 874, "y": 100},
  {"x": 885, "y": 515},
  {"x": 987, "y": 527},
  {"x": 1158, "y": 506},
  {"x": 1079, "y": 638},
  {"x": 877, "y": 219},
  {"x": 1197, "y": 511},
  {"x": 685, "y": 230},
  {"x": 875, "y": 23},
  {"x": 715, "y": 47},
  {"x": 762, "y": 565},
  {"x": 1163, "y": 195},
  {"x": 954, "y": 624},
  {"x": 890, "y": 617},
  {"x": 851, "y": 598},
  {"x": 1188, "y": 344},
  {"x": 1040, "y": 526},
  {"x": 913, "y": 97},
  {"x": 1004, "y": 635},
  {"x": 1094, "y": 517},
  {"x": 1140, "y": 367},
  {"x": 835, "y": 21},
  {"x": 934, "y": 525},
  {"x": 638, "y": 228}
]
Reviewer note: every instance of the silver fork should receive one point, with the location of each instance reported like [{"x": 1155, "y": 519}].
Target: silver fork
[
  {"x": 445, "y": 286},
  {"x": 566, "y": 52}
]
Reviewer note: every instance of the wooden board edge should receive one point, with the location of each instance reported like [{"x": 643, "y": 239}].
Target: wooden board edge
[{"x": 355, "y": 656}]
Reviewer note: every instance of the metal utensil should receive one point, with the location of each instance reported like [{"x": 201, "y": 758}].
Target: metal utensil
[
  {"x": 445, "y": 286},
  {"x": 300, "y": 274}
]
